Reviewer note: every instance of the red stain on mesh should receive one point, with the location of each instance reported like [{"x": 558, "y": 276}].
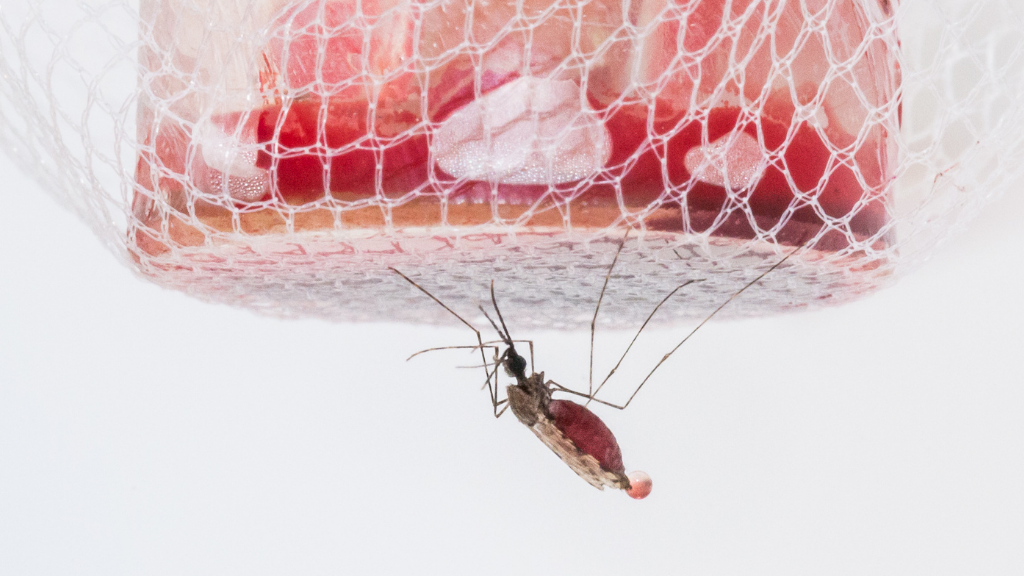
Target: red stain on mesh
[{"x": 588, "y": 432}]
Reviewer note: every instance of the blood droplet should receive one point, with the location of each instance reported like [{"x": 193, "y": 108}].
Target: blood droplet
[{"x": 640, "y": 485}]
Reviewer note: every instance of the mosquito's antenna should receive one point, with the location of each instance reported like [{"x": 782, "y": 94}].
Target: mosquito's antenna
[
  {"x": 494, "y": 301},
  {"x": 516, "y": 364},
  {"x": 642, "y": 326},
  {"x": 593, "y": 321},
  {"x": 493, "y": 389},
  {"x": 504, "y": 337},
  {"x": 710, "y": 316}
]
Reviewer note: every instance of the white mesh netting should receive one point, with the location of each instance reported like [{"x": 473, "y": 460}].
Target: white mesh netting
[{"x": 281, "y": 154}]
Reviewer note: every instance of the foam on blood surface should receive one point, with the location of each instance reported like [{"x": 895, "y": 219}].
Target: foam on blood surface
[
  {"x": 588, "y": 432},
  {"x": 540, "y": 133}
]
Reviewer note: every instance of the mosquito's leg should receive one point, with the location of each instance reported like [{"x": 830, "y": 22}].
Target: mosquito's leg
[
  {"x": 492, "y": 386},
  {"x": 703, "y": 322},
  {"x": 556, "y": 386},
  {"x": 497, "y": 362},
  {"x": 486, "y": 345},
  {"x": 503, "y": 342},
  {"x": 642, "y": 326},
  {"x": 504, "y": 401},
  {"x": 479, "y": 338},
  {"x": 593, "y": 322},
  {"x": 443, "y": 348}
]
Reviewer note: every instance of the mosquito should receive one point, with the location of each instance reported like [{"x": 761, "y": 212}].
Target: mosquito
[{"x": 570, "y": 430}]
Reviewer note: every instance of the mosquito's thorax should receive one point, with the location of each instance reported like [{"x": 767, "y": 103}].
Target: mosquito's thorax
[{"x": 529, "y": 398}]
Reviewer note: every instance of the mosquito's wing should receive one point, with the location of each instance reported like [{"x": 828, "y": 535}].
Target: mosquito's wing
[{"x": 583, "y": 464}]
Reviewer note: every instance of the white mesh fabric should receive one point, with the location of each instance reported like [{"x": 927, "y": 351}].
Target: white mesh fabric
[{"x": 281, "y": 155}]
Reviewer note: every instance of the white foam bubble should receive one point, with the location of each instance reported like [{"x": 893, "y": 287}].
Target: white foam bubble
[
  {"x": 734, "y": 161},
  {"x": 230, "y": 163},
  {"x": 529, "y": 131}
]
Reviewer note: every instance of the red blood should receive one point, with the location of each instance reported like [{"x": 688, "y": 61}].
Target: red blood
[
  {"x": 833, "y": 189},
  {"x": 588, "y": 432},
  {"x": 302, "y": 157},
  {"x": 640, "y": 485}
]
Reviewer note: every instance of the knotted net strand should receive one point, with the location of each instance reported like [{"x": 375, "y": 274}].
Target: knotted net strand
[{"x": 280, "y": 155}]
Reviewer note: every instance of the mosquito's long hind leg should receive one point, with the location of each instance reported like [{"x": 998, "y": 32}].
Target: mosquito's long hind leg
[
  {"x": 628, "y": 348},
  {"x": 705, "y": 321},
  {"x": 558, "y": 387},
  {"x": 591, "y": 394},
  {"x": 593, "y": 321}
]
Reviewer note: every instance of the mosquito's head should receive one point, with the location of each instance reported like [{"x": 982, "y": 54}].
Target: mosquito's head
[{"x": 515, "y": 365}]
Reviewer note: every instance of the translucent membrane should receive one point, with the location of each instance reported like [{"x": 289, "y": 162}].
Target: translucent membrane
[{"x": 285, "y": 153}]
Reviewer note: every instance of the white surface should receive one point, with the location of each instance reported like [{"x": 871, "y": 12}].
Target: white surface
[{"x": 142, "y": 432}]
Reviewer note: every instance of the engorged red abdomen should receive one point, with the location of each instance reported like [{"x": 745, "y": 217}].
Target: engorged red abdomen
[{"x": 588, "y": 432}]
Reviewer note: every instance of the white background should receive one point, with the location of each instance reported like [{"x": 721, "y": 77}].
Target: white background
[{"x": 143, "y": 432}]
